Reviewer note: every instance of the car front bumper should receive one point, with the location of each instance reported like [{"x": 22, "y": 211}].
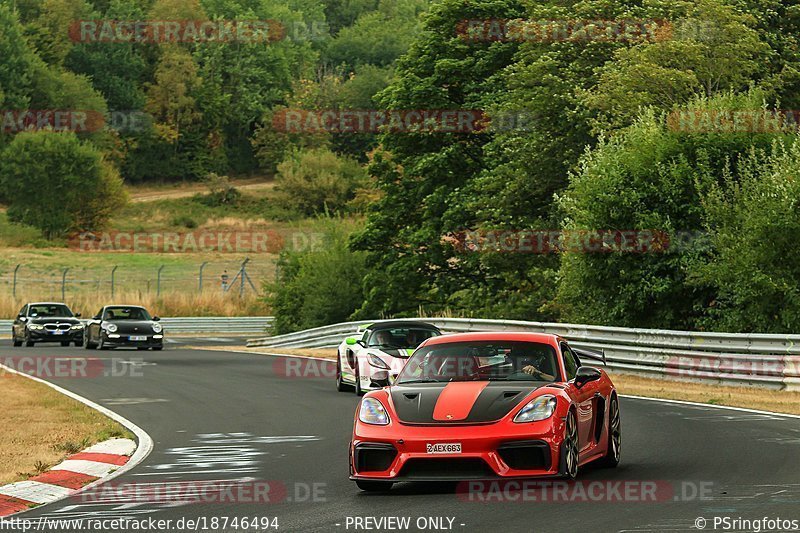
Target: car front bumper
[
  {"x": 501, "y": 450},
  {"x": 43, "y": 335},
  {"x": 124, "y": 339}
]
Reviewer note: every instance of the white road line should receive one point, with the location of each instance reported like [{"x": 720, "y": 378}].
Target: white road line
[
  {"x": 33, "y": 491},
  {"x": 710, "y": 406}
]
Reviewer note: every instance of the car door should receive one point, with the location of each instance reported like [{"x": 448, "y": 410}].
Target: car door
[
  {"x": 584, "y": 399},
  {"x": 93, "y": 326},
  {"x": 18, "y": 326}
]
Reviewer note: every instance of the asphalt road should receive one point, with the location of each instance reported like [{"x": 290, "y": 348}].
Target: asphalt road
[{"x": 217, "y": 415}]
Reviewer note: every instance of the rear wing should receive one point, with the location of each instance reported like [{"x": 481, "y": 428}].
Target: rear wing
[{"x": 594, "y": 355}]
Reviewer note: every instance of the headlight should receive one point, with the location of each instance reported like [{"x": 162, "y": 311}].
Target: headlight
[
  {"x": 110, "y": 327},
  {"x": 35, "y": 326},
  {"x": 373, "y": 412},
  {"x": 377, "y": 362},
  {"x": 157, "y": 327},
  {"x": 540, "y": 408},
  {"x": 77, "y": 326}
]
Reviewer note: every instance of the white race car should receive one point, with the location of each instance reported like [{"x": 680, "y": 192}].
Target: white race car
[{"x": 373, "y": 357}]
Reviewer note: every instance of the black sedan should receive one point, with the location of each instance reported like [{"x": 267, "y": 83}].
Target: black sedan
[
  {"x": 46, "y": 322},
  {"x": 123, "y": 325}
]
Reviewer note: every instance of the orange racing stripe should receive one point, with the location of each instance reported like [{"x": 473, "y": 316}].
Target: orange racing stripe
[{"x": 456, "y": 400}]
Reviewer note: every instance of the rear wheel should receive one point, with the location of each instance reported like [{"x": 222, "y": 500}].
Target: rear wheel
[
  {"x": 374, "y": 486},
  {"x": 569, "y": 448},
  {"x": 611, "y": 458}
]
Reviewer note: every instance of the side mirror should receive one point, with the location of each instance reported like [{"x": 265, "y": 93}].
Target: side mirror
[
  {"x": 77, "y": 315},
  {"x": 586, "y": 374},
  {"x": 22, "y": 318},
  {"x": 351, "y": 341},
  {"x": 96, "y": 317},
  {"x": 156, "y": 318}
]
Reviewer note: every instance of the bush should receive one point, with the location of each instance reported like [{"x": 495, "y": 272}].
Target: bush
[
  {"x": 58, "y": 184},
  {"x": 317, "y": 287},
  {"x": 220, "y": 191},
  {"x": 648, "y": 177},
  {"x": 318, "y": 181},
  {"x": 754, "y": 220}
]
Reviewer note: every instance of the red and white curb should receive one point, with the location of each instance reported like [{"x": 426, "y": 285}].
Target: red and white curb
[
  {"x": 91, "y": 467},
  {"x": 65, "y": 479}
]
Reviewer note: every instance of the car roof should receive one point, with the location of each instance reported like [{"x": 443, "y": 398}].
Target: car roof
[
  {"x": 518, "y": 336},
  {"x": 47, "y": 303},
  {"x": 401, "y": 324},
  {"x": 123, "y": 305}
]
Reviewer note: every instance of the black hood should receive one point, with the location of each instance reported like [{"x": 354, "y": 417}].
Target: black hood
[
  {"x": 416, "y": 403},
  {"x": 144, "y": 327},
  {"x": 53, "y": 320}
]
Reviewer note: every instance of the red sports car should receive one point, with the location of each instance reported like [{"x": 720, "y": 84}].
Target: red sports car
[{"x": 487, "y": 406}]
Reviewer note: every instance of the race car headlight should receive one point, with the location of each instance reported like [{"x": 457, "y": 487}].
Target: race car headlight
[
  {"x": 35, "y": 326},
  {"x": 373, "y": 412},
  {"x": 377, "y": 362},
  {"x": 110, "y": 327},
  {"x": 540, "y": 408},
  {"x": 157, "y": 327}
]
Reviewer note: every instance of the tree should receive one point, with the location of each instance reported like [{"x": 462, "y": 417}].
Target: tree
[
  {"x": 58, "y": 183},
  {"x": 712, "y": 49}
]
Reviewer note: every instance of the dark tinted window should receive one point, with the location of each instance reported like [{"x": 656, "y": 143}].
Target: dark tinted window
[
  {"x": 126, "y": 313},
  {"x": 570, "y": 362},
  {"x": 47, "y": 310}
]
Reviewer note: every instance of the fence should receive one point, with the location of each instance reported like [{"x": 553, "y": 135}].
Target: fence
[
  {"x": 223, "y": 325},
  {"x": 769, "y": 361},
  {"x": 30, "y": 281}
]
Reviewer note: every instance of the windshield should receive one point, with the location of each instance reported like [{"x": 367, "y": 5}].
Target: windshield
[
  {"x": 481, "y": 361},
  {"x": 402, "y": 338},
  {"x": 126, "y": 313},
  {"x": 48, "y": 310}
]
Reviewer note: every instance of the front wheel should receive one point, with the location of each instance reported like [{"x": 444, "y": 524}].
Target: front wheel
[
  {"x": 158, "y": 348},
  {"x": 14, "y": 340},
  {"x": 87, "y": 344},
  {"x": 341, "y": 386},
  {"x": 569, "y": 448},
  {"x": 374, "y": 486},
  {"x": 28, "y": 341},
  {"x": 357, "y": 386},
  {"x": 611, "y": 458},
  {"x": 64, "y": 343}
]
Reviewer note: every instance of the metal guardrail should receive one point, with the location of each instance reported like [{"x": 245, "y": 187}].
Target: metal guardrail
[
  {"x": 225, "y": 325},
  {"x": 761, "y": 360}
]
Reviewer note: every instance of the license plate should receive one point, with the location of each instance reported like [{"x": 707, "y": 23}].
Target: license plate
[
  {"x": 440, "y": 447},
  {"x": 137, "y": 338},
  {"x": 58, "y": 332}
]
